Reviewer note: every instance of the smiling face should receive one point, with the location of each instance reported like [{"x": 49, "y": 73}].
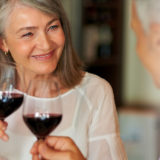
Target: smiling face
[{"x": 34, "y": 39}]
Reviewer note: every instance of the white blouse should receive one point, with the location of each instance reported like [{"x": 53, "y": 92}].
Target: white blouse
[{"x": 89, "y": 118}]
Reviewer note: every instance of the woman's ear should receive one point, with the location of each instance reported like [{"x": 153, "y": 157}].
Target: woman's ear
[{"x": 3, "y": 45}]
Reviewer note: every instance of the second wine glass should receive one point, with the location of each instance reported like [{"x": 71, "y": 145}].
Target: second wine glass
[
  {"x": 42, "y": 109},
  {"x": 10, "y": 98}
]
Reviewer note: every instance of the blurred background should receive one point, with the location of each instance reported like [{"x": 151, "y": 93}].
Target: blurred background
[{"x": 104, "y": 40}]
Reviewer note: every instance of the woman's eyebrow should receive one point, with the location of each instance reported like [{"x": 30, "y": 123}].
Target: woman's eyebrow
[
  {"x": 34, "y": 27},
  {"x": 51, "y": 21},
  {"x": 26, "y": 28}
]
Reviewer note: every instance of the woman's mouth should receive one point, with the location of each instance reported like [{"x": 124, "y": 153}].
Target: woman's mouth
[{"x": 43, "y": 57}]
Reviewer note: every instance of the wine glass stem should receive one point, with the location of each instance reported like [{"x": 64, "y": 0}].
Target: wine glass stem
[{"x": 39, "y": 139}]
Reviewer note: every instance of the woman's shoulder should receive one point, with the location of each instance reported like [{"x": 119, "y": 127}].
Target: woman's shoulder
[
  {"x": 96, "y": 89},
  {"x": 94, "y": 79},
  {"x": 95, "y": 82}
]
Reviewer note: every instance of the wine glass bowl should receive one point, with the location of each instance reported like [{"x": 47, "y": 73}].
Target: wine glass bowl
[
  {"x": 10, "y": 98},
  {"x": 42, "y": 109}
]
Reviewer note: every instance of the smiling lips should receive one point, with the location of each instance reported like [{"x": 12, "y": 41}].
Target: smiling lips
[{"x": 43, "y": 57}]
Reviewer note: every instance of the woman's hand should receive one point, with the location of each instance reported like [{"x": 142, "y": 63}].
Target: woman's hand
[
  {"x": 56, "y": 148},
  {"x": 3, "y": 127}
]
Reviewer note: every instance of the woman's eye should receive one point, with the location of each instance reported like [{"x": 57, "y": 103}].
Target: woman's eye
[
  {"x": 53, "y": 27},
  {"x": 29, "y": 34}
]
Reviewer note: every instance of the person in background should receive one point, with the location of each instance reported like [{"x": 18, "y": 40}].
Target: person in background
[
  {"x": 36, "y": 35},
  {"x": 148, "y": 37}
]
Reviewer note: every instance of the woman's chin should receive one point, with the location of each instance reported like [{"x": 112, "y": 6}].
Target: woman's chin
[{"x": 43, "y": 71}]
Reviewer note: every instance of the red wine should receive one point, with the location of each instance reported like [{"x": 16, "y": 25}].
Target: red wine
[
  {"x": 9, "y": 102},
  {"x": 42, "y": 125}
]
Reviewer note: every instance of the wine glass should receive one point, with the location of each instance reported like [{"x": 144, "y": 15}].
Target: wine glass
[
  {"x": 42, "y": 109},
  {"x": 10, "y": 98}
]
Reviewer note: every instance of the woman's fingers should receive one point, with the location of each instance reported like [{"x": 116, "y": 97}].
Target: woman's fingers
[
  {"x": 34, "y": 149},
  {"x": 35, "y": 157},
  {"x": 56, "y": 142},
  {"x": 46, "y": 152},
  {"x": 60, "y": 143},
  {"x": 56, "y": 148},
  {"x": 52, "y": 154},
  {"x": 3, "y": 127},
  {"x": 3, "y": 135}
]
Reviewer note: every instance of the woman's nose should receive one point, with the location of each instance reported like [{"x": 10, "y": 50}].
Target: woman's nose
[{"x": 43, "y": 42}]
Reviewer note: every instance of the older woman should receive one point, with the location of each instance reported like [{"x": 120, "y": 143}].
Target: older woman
[{"x": 36, "y": 35}]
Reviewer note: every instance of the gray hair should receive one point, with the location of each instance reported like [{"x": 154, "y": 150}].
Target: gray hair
[
  {"x": 148, "y": 11},
  {"x": 69, "y": 67},
  {"x": 47, "y": 6}
]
